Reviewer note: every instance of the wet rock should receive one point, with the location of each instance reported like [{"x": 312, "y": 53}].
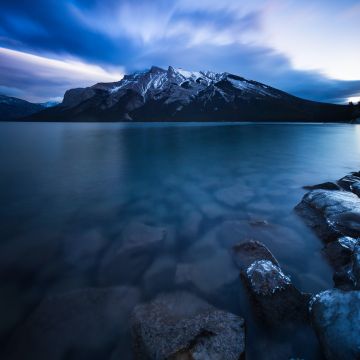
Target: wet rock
[
  {"x": 247, "y": 253},
  {"x": 126, "y": 262},
  {"x": 349, "y": 180},
  {"x": 324, "y": 186},
  {"x": 275, "y": 297},
  {"x": 77, "y": 323},
  {"x": 339, "y": 252},
  {"x": 182, "y": 326},
  {"x": 234, "y": 195},
  {"x": 335, "y": 316},
  {"x": 355, "y": 188},
  {"x": 332, "y": 214}
]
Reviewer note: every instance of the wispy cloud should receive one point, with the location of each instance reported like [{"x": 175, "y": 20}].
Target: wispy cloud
[
  {"x": 307, "y": 48},
  {"x": 19, "y": 69}
]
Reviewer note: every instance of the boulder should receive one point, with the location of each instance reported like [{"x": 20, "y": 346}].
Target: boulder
[
  {"x": 355, "y": 188},
  {"x": 274, "y": 296},
  {"x": 182, "y": 326},
  {"x": 348, "y": 181},
  {"x": 335, "y": 316},
  {"x": 127, "y": 260},
  {"x": 344, "y": 254},
  {"x": 245, "y": 254},
  {"x": 332, "y": 214},
  {"x": 324, "y": 186},
  {"x": 79, "y": 322}
]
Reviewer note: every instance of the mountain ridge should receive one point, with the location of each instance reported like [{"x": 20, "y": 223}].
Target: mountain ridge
[{"x": 173, "y": 94}]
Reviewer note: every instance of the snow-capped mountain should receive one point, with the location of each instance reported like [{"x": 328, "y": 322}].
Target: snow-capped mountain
[{"x": 179, "y": 95}]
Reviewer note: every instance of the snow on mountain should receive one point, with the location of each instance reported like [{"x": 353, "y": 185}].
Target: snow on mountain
[{"x": 175, "y": 94}]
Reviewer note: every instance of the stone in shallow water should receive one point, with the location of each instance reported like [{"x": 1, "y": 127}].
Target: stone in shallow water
[
  {"x": 78, "y": 322},
  {"x": 182, "y": 326},
  {"x": 266, "y": 278},
  {"x": 126, "y": 262},
  {"x": 245, "y": 254},
  {"x": 325, "y": 186},
  {"x": 335, "y": 315},
  {"x": 349, "y": 180},
  {"x": 234, "y": 195},
  {"x": 197, "y": 273},
  {"x": 160, "y": 275},
  {"x": 355, "y": 188},
  {"x": 275, "y": 297},
  {"x": 332, "y": 214}
]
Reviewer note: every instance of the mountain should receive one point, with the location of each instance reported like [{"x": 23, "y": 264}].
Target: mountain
[
  {"x": 178, "y": 95},
  {"x": 12, "y": 108}
]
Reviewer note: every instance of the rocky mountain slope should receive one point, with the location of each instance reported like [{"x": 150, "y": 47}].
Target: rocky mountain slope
[
  {"x": 12, "y": 108},
  {"x": 178, "y": 95}
]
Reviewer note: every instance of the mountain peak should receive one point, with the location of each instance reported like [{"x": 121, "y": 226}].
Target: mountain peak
[{"x": 175, "y": 94}]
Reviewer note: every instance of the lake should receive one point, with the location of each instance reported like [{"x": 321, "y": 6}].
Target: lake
[{"x": 72, "y": 193}]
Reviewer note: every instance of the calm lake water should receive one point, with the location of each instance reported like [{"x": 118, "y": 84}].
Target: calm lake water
[{"x": 69, "y": 191}]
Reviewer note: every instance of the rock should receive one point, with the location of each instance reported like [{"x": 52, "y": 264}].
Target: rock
[
  {"x": 126, "y": 262},
  {"x": 349, "y": 180},
  {"x": 332, "y": 214},
  {"x": 335, "y": 316},
  {"x": 275, "y": 297},
  {"x": 197, "y": 273},
  {"x": 339, "y": 252},
  {"x": 324, "y": 186},
  {"x": 247, "y": 253},
  {"x": 344, "y": 255},
  {"x": 160, "y": 275},
  {"x": 80, "y": 322},
  {"x": 182, "y": 326},
  {"x": 234, "y": 195},
  {"x": 190, "y": 226},
  {"x": 355, "y": 188}
]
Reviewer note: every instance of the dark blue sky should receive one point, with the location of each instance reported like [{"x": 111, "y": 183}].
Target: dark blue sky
[{"x": 309, "y": 48}]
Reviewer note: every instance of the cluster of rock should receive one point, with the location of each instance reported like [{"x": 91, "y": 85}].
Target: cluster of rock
[
  {"x": 93, "y": 322},
  {"x": 333, "y": 211}
]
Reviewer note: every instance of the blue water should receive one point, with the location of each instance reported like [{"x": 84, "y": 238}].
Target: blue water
[{"x": 68, "y": 190}]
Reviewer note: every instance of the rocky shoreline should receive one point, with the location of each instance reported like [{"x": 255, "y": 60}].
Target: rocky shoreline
[{"x": 181, "y": 324}]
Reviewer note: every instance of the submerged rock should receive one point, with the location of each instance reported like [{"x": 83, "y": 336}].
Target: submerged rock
[
  {"x": 197, "y": 273},
  {"x": 79, "y": 322},
  {"x": 332, "y": 214},
  {"x": 182, "y": 326},
  {"x": 335, "y": 315},
  {"x": 126, "y": 262},
  {"x": 275, "y": 297},
  {"x": 234, "y": 195},
  {"x": 245, "y": 254}
]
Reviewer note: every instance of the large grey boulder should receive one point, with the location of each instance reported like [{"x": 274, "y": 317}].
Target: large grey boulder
[
  {"x": 332, "y": 214},
  {"x": 335, "y": 316},
  {"x": 275, "y": 298},
  {"x": 127, "y": 259},
  {"x": 182, "y": 326},
  {"x": 79, "y": 323}
]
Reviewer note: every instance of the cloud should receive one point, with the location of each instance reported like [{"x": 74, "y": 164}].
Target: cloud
[
  {"x": 254, "y": 39},
  {"x": 53, "y": 76}
]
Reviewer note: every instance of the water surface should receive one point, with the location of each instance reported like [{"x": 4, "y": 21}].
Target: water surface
[{"x": 67, "y": 191}]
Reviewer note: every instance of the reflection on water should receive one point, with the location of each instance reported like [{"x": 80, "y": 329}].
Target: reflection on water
[{"x": 75, "y": 196}]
